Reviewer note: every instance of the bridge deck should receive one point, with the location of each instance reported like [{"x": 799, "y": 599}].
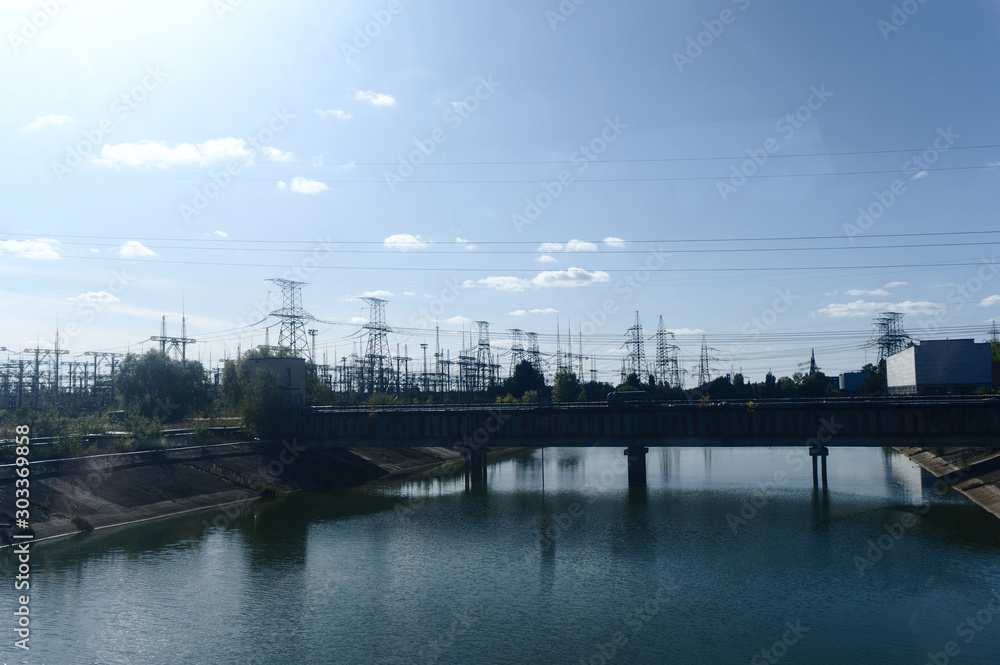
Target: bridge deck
[{"x": 947, "y": 421}]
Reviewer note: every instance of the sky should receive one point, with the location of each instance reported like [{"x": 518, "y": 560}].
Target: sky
[{"x": 768, "y": 176}]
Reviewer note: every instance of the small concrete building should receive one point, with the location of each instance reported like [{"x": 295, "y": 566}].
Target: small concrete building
[
  {"x": 850, "y": 382},
  {"x": 291, "y": 372},
  {"x": 939, "y": 367}
]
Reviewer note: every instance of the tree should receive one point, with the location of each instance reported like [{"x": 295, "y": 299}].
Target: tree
[
  {"x": 264, "y": 406},
  {"x": 158, "y": 387},
  {"x": 566, "y": 387},
  {"x": 815, "y": 385},
  {"x": 875, "y": 383},
  {"x": 524, "y": 378},
  {"x": 317, "y": 391},
  {"x": 261, "y": 399}
]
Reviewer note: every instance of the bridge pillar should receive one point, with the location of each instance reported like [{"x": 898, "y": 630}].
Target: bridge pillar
[
  {"x": 819, "y": 451},
  {"x": 636, "y": 465},
  {"x": 475, "y": 466}
]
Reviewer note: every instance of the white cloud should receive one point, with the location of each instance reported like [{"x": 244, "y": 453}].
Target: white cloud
[
  {"x": 95, "y": 297},
  {"x": 46, "y": 120},
  {"x": 376, "y": 98},
  {"x": 990, "y": 301},
  {"x": 546, "y": 258},
  {"x": 218, "y": 234},
  {"x": 457, "y": 320},
  {"x": 135, "y": 248},
  {"x": 504, "y": 283},
  {"x": 580, "y": 246},
  {"x": 862, "y": 292},
  {"x": 571, "y": 277},
  {"x": 404, "y": 241},
  {"x": 357, "y": 319},
  {"x": 547, "y": 247},
  {"x": 306, "y": 185},
  {"x": 612, "y": 241},
  {"x": 525, "y": 312},
  {"x": 688, "y": 331},
  {"x": 380, "y": 293},
  {"x": 94, "y": 250},
  {"x": 546, "y": 279},
  {"x": 40, "y": 248},
  {"x": 336, "y": 113},
  {"x": 462, "y": 241},
  {"x": 282, "y": 184},
  {"x": 276, "y": 155},
  {"x": 409, "y": 293},
  {"x": 869, "y": 309},
  {"x": 160, "y": 154},
  {"x": 882, "y": 291},
  {"x": 919, "y": 176}
]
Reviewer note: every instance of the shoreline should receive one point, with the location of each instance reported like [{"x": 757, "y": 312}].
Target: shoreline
[
  {"x": 83, "y": 495},
  {"x": 973, "y": 472}
]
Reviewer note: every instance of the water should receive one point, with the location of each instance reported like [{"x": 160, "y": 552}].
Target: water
[{"x": 728, "y": 553}]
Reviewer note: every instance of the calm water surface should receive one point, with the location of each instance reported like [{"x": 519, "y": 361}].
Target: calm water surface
[{"x": 728, "y": 557}]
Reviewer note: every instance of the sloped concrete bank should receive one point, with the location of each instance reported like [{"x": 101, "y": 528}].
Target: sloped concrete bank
[
  {"x": 76, "y": 495},
  {"x": 974, "y": 472}
]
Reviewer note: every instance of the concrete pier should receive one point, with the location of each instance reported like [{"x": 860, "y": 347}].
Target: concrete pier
[
  {"x": 821, "y": 452},
  {"x": 636, "y": 465}
]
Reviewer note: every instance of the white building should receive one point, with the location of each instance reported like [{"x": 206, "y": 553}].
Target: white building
[{"x": 939, "y": 367}]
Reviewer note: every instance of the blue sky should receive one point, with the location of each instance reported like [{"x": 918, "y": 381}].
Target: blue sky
[{"x": 517, "y": 162}]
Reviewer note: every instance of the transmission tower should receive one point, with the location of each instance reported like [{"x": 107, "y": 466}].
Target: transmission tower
[
  {"x": 534, "y": 355},
  {"x": 378, "y": 363},
  {"x": 811, "y": 365},
  {"x": 704, "y": 373},
  {"x": 666, "y": 370},
  {"x": 516, "y": 348},
  {"x": 889, "y": 336},
  {"x": 484, "y": 371},
  {"x": 176, "y": 344},
  {"x": 636, "y": 363},
  {"x": 293, "y": 317}
]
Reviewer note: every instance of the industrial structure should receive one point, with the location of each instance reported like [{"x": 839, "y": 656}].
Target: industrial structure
[{"x": 940, "y": 367}]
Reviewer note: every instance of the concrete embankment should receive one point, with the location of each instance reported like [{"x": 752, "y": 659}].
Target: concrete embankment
[
  {"x": 974, "y": 472},
  {"x": 74, "y": 495}
]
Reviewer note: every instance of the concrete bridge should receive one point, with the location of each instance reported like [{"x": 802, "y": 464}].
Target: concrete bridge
[{"x": 917, "y": 422}]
